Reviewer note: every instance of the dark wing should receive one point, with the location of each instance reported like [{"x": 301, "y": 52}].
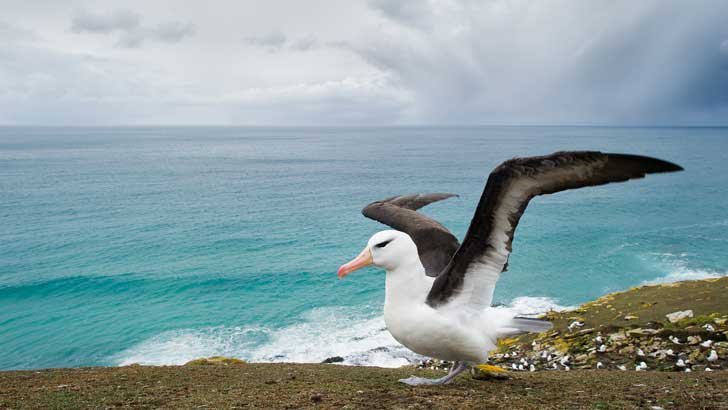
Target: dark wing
[
  {"x": 435, "y": 244},
  {"x": 470, "y": 277}
]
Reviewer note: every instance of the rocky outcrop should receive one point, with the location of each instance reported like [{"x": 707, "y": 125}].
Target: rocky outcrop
[{"x": 675, "y": 327}]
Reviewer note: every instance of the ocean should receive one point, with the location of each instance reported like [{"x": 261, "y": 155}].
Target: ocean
[{"x": 158, "y": 245}]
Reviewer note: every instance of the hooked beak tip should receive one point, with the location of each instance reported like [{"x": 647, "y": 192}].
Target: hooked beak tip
[{"x": 364, "y": 259}]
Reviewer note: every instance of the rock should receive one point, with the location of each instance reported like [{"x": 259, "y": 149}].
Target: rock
[
  {"x": 488, "y": 372},
  {"x": 693, "y": 340},
  {"x": 720, "y": 321},
  {"x": 631, "y": 317},
  {"x": 627, "y": 350},
  {"x": 713, "y": 356},
  {"x": 315, "y": 397},
  {"x": 334, "y": 359},
  {"x": 696, "y": 356},
  {"x": 640, "y": 332},
  {"x": 675, "y": 317},
  {"x": 617, "y": 337}
]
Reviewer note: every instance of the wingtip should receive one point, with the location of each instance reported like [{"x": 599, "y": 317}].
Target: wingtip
[
  {"x": 666, "y": 166},
  {"x": 651, "y": 165}
]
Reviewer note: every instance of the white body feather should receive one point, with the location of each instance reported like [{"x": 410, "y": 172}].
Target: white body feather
[{"x": 448, "y": 332}]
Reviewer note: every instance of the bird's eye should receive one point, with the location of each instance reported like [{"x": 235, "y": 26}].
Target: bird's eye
[{"x": 382, "y": 244}]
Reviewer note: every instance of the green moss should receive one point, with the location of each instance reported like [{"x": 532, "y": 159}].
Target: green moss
[{"x": 214, "y": 360}]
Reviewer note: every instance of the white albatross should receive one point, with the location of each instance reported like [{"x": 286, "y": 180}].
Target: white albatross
[{"x": 438, "y": 292}]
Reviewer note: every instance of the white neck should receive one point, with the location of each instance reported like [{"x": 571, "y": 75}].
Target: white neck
[{"x": 407, "y": 284}]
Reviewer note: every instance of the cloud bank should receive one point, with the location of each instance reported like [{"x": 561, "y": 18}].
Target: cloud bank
[
  {"x": 127, "y": 24},
  {"x": 367, "y": 63}
]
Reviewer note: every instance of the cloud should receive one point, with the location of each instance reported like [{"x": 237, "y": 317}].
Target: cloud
[
  {"x": 127, "y": 25},
  {"x": 368, "y": 62},
  {"x": 273, "y": 40},
  {"x": 123, "y": 20},
  {"x": 173, "y": 31},
  {"x": 40, "y": 85},
  {"x": 277, "y": 41},
  {"x": 417, "y": 14},
  {"x": 570, "y": 62}
]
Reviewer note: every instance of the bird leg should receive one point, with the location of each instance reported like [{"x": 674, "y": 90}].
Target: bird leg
[{"x": 457, "y": 368}]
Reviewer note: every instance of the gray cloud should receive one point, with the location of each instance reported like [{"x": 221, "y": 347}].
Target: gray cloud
[
  {"x": 173, "y": 31},
  {"x": 417, "y": 14},
  {"x": 277, "y": 41},
  {"x": 522, "y": 62},
  {"x": 127, "y": 25},
  {"x": 375, "y": 62},
  {"x": 122, "y": 20},
  {"x": 273, "y": 40}
]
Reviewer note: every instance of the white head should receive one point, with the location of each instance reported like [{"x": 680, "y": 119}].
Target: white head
[{"x": 385, "y": 249}]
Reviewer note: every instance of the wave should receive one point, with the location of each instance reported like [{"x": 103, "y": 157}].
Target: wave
[
  {"x": 681, "y": 274},
  {"x": 678, "y": 270},
  {"x": 357, "y": 338}
]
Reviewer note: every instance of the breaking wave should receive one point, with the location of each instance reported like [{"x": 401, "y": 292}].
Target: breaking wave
[
  {"x": 322, "y": 333},
  {"x": 678, "y": 270}
]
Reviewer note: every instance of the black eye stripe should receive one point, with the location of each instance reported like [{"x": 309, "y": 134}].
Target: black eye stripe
[{"x": 382, "y": 244}]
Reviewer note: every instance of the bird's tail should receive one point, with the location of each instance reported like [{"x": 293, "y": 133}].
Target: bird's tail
[
  {"x": 527, "y": 324},
  {"x": 519, "y": 325}
]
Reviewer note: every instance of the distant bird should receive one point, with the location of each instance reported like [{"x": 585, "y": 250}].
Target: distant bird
[
  {"x": 713, "y": 356},
  {"x": 438, "y": 291}
]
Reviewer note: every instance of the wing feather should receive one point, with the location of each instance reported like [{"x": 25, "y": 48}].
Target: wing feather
[
  {"x": 470, "y": 276},
  {"x": 435, "y": 244}
]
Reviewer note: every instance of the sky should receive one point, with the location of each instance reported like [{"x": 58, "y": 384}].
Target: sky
[{"x": 364, "y": 62}]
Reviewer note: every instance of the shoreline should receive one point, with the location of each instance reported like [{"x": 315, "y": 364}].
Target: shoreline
[{"x": 639, "y": 316}]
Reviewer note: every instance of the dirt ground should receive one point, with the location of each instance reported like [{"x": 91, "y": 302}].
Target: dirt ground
[{"x": 299, "y": 386}]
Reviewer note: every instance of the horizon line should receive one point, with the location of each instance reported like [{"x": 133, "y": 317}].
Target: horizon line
[{"x": 361, "y": 126}]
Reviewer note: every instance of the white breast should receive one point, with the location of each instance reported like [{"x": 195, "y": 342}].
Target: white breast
[{"x": 442, "y": 334}]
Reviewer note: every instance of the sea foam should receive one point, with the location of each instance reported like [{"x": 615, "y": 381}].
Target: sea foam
[
  {"x": 678, "y": 269},
  {"x": 357, "y": 338}
]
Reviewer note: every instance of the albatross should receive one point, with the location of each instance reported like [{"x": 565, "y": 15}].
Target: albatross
[{"x": 438, "y": 291}]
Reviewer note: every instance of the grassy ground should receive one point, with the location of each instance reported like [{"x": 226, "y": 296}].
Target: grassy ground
[{"x": 296, "y": 386}]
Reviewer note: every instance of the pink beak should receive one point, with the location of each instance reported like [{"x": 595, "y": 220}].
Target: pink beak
[{"x": 364, "y": 259}]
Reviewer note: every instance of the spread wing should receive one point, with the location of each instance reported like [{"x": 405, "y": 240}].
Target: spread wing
[
  {"x": 435, "y": 244},
  {"x": 470, "y": 276}
]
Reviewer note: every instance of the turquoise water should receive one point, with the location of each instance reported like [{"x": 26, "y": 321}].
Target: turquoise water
[{"x": 158, "y": 245}]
